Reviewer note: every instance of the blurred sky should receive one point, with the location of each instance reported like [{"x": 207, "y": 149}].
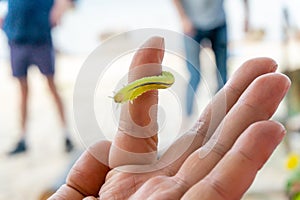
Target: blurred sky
[{"x": 81, "y": 27}]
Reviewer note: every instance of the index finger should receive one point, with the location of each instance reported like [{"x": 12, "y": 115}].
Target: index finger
[{"x": 136, "y": 138}]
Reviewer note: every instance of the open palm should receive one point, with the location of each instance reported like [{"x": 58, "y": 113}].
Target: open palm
[{"x": 128, "y": 168}]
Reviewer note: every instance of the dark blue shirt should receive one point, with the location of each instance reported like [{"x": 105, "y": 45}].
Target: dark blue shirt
[{"x": 28, "y": 21}]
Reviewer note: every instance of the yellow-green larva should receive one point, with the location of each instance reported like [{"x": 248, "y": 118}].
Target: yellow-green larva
[{"x": 140, "y": 86}]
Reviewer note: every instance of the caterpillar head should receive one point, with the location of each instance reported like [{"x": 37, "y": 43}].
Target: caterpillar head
[{"x": 119, "y": 98}]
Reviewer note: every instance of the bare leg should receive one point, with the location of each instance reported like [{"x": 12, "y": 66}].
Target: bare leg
[
  {"x": 21, "y": 145},
  {"x": 23, "y": 104},
  {"x": 57, "y": 99}
]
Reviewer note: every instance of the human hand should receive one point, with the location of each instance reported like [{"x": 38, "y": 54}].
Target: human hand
[
  {"x": 188, "y": 27},
  {"x": 58, "y": 9},
  {"x": 127, "y": 169},
  {"x": 1, "y": 22}
]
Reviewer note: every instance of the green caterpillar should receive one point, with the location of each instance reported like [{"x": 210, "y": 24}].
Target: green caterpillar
[{"x": 140, "y": 86}]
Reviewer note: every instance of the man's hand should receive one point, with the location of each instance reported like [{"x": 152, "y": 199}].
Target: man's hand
[
  {"x": 129, "y": 169},
  {"x": 187, "y": 25},
  {"x": 1, "y": 22},
  {"x": 58, "y": 9}
]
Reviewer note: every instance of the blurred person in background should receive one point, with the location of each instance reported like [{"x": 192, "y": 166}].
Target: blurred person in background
[
  {"x": 27, "y": 25},
  {"x": 204, "y": 19}
]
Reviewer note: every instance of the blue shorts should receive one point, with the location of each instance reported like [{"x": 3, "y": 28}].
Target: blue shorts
[{"x": 24, "y": 55}]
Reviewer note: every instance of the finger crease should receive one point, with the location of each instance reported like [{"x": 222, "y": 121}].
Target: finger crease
[
  {"x": 181, "y": 182},
  {"x": 233, "y": 90},
  {"x": 258, "y": 112},
  {"x": 246, "y": 157},
  {"x": 217, "y": 187},
  {"x": 75, "y": 186},
  {"x": 77, "y": 190},
  {"x": 219, "y": 149}
]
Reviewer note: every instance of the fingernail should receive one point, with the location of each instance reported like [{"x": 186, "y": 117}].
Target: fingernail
[
  {"x": 90, "y": 198},
  {"x": 289, "y": 82},
  {"x": 155, "y": 42},
  {"x": 274, "y": 66},
  {"x": 282, "y": 132}
]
